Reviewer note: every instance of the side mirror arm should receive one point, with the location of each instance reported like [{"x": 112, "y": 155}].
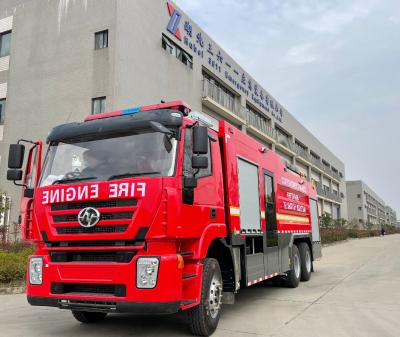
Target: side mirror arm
[{"x": 27, "y": 141}]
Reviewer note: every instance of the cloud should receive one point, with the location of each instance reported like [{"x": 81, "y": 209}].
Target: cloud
[
  {"x": 394, "y": 19},
  {"x": 333, "y": 20},
  {"x": 300, "y": 54}
]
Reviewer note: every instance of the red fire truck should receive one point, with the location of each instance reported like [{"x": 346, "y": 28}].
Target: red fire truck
[{"x": 152, "y": 210}]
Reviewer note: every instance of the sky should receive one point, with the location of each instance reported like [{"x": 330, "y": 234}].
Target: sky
[{"x": 334, "y": 64}]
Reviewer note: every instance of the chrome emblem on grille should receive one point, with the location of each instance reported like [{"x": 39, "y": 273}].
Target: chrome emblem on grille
[{"x": 88, "y": 217}]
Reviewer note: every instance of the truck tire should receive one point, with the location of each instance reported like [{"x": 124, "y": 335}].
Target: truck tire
[
  {"x": 204, "y": 318},
  {"x": 306, "y": 261},
  {"x": 292, "y": 279},
  {"x": 88, "y": 317}
]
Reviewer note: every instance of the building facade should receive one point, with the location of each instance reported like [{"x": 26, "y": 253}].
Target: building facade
[
  {"x": 366, "y": 208},
  {"x": 68, "y": 59},
  {"x": 391, "y": 216}
]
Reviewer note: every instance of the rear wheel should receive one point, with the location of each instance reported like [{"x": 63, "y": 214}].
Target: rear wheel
[
  {"x": 306, "y": 261},
  {"x": 203, "y": 319},
  {"x": 89, "y": 317},
  {"x": 292, "y": 279}
]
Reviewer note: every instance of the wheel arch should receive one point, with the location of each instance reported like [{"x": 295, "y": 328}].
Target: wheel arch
[{"x": 222, "y": 252}]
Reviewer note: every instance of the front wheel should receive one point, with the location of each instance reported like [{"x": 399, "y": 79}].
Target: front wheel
[
  {"x": 203, "y": 319},
  {"x": 89, "y": 317},
  {"x": 292, "y": 279}
]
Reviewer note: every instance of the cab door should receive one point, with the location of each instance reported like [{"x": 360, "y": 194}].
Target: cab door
[
  {"x": 272, "y": 248},
  {"x": 207, "y": 204}
]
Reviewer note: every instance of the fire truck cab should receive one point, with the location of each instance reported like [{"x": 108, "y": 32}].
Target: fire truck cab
[{"x": 152, "y": 210}]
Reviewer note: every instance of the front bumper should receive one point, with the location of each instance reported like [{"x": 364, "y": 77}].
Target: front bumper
[
  {"x": 61, "y": 281},
  {"x": 107, "y": 306}
]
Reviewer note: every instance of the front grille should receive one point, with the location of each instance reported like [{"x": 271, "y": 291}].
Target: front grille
[
  {"x": 97, "y": 243},
  {"x": 95, "y": 204},
  {"x": 118, "y": 290},
  {"x": 103, "y": 216},
  {"x": 104, "y": 256},
  {"x": 93, "y": 230}
]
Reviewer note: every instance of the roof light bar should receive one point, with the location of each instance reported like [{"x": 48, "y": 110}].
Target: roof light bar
[{"x": 131, "y": 111}]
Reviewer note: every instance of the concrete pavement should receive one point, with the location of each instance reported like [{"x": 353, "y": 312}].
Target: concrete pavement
[{"x": 354, "y": 291}]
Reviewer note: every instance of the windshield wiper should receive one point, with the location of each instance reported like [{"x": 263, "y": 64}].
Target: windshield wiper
[
  {"x": 71, "y": 180},
  {"x": 128, "y": 175}
]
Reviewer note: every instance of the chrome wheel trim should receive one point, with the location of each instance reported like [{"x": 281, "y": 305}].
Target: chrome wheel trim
[
  {"x": 296, "y": 262},
  {"x": 215, "y": 296},
  {"x": 308, "y": 261}
]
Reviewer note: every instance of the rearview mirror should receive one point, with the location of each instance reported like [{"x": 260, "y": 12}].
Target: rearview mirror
[
  {"x": 200, "y": 162},
  {"x": 16, "y": 156},
  {"x": 200, "y": 140},
  {"x": 14, "y": 175}
]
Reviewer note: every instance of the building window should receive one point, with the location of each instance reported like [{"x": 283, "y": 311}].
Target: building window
[
  {"x": 5, "y": 44},
  {"x": 301, "y": 145},
  {"x": 258, "y": 120},
  {"x": 98, "y": 105},
  {"x": 177, "y": 51},
  {"x": 282, "y": 133},
  {"x": 359, "y": 208},
  {"x": 336, "y": 213},
  {"x": 101, "y": 39},
  {"x": 284, "y": 138},
  {"x": 2, "y": 110},
  {"x": 315, "y": 156},
  {"x": 219, "y": 93},
  {"x": 358, "y": 196}
]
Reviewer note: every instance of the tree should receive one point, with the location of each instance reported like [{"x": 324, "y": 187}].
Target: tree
[
  {"x": 368, "y": 225},
  {"x": 340, "y": 223},
  {"x": 13, "y": 231},
  {"x": 5, "y": 205},
  {"x": 326, "y": 220}
]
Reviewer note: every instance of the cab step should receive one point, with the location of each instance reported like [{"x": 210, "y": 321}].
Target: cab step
[
  {"x": 185, "y": 253},
  {"x": 186, "y": 276}
]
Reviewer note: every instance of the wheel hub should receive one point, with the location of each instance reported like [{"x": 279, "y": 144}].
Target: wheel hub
[
  {"x": 308, "y": 261},
  {"x": 215, "y": 296},
  {"x": 297, "y": 266}
]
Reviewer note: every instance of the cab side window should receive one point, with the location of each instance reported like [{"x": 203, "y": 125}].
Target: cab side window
[{"x": 188, "y": 171}]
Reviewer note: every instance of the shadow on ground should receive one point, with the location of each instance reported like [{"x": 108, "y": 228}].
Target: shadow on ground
[{"x": 167, "y": 325}]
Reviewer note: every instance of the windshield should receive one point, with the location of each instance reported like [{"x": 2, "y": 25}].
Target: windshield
[{"x": 144, "y": 154}]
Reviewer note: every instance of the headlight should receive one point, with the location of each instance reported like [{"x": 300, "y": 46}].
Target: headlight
[
  {"x": 35, "y": 270},
  {"x": 147, "y": 272}
]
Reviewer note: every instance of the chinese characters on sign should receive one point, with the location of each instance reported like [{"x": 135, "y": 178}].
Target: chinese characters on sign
[
  {"x": 293, "y": 203},
  {"x": 216, "y": 60}
]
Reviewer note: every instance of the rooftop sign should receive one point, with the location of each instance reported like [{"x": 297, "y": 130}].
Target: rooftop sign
[{"x": 221, "y": 64}]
